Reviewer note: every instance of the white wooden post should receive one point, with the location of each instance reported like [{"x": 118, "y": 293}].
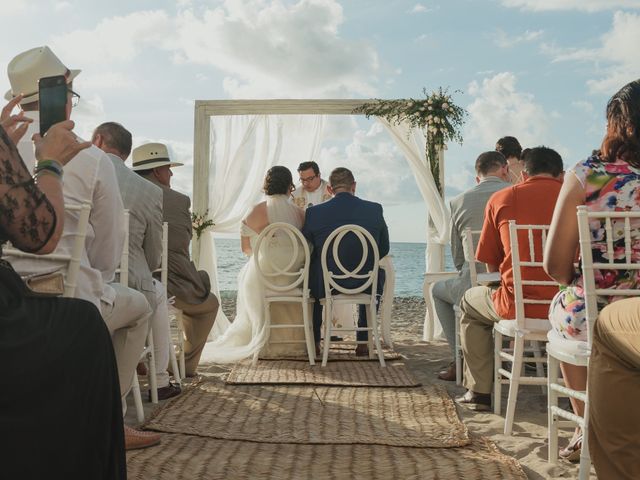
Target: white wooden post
[{"x": 201, "y": 152}]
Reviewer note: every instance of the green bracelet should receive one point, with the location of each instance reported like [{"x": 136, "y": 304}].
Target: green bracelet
[
  {"x": 49, "y": 165},
  {"x": 46, "y": 171}
]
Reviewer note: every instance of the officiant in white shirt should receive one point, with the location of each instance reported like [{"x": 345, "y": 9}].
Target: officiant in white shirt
[{"x": 312, "y": 189}]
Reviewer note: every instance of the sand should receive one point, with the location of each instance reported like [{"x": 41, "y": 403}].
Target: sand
[{"x": 528, "y": 444}]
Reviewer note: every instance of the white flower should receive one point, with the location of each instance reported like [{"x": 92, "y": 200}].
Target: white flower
[
  {"x": 445, "y": 105},
  {"x": 422, "y": 109},
  {"x": 410, "y": 104},
  {"x": 429, "y": 117},
  {"x": 430, "y": 107},
  {"x": 429, "y": 101},
  {"x": 436, "y": 119}
]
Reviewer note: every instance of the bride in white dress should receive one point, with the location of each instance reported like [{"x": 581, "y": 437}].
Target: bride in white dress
[{"x": 248, "y": 333}]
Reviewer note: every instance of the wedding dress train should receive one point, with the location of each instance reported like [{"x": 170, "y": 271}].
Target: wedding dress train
[{"x": 249, "y": 332}]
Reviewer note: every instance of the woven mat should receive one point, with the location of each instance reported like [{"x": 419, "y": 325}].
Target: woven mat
[
  {"x": 341, "y": 352},
  {"x": 420, "y": 417},
  {"x": 362, "y": 374},
  {"x": 188, "y": 457}
]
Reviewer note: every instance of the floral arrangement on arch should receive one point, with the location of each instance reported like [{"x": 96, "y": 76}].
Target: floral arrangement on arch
[
  {"x": 436, "y": 114},
  {"x": 201, "y": 223}
]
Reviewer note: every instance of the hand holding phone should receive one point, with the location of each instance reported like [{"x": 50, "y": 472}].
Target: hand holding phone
[{"x": 53, "y": 93}]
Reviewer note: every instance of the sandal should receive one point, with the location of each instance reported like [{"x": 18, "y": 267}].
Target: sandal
[{"x": 572, "y": 451}]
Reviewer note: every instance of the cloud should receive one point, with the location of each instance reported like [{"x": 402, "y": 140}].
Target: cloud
[
  {"x": 380, "y": 169},
  {"x": 499, "y": 109},
  {"x": 616, "y": 58},
  {"x": 503, "y": 40},
  {"x": 583, "y": 105},
  {"x": 419, "y": 8},
  {"x": 583, "y": 5},
  {"x": 265, "y": 48},
  {"x": 59, "y": 6}
]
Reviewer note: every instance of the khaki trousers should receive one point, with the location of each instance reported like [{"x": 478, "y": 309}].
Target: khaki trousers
[
  {"x": 614, "y": 392},
  {"x": 127, "y": 319},
  {"x": 476, "y": 328},
  {"x": 197, "y": 321}
]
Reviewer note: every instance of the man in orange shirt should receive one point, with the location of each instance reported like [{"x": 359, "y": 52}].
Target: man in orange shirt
[{"x": 530, "y": 202}]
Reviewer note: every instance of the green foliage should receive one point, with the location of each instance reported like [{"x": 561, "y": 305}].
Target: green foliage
[
  {"x": 201, "y": 223},
  {"x": 436, "y": 114}
]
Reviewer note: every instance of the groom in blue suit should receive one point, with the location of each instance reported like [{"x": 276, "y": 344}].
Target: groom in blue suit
[{"x": 320, "y": 220}]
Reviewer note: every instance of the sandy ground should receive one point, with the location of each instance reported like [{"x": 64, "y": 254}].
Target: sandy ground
[{"x": 528, "y": 444}]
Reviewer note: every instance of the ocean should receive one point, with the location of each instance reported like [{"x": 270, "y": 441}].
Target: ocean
[{"x": 408, "y": 259}]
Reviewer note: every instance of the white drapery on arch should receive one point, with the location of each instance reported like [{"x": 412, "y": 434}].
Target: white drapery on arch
[
  {"x": 242, "y": 149},
  {"x": 222, "y": 171}
]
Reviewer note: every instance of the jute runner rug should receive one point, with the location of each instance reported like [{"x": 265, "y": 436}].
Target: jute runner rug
[
  {"x": 188, "y": 457},
  {"x": 340, "y": 352},
  {"x": 362, "y": 374},
  {"x": 420, "y": 417}
]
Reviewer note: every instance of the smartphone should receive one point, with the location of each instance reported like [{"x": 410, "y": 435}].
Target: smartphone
[{"x": 53, "y": 93}]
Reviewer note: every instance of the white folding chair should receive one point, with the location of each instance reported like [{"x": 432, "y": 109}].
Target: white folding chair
[
  {"x": 336, "y": 294},
  {"x": 469, "y": 250},
  {"x": 71, "y": 260},
  {"x": 294, "y": 290},
  {"x": 522, "y": 329},
  {"x": 175, "y": 324},
  {"x": 147, "y": 354},
  {"x": 617, "y": 226}
]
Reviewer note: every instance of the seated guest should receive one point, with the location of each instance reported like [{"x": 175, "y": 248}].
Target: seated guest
[
  {"x": 528, "y": 203},
  {"x": 607, "y": 181},
  {"x": 248, "y": 333},
  {"x": 320, "y": 220},
  {"x": 512, "y": 151},
  {"x": 63, "y": 397},
  {"x": 90, "y": 178},
  {"x": 144, "y": 202},
  {"x": 614, "y": 391},
  {"x": 190, "y": 287},
  {"x": 467, "y": 211},
  {"x": 312, "y": 189}
]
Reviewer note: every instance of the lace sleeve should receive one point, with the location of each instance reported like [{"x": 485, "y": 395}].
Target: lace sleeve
[{"x": 27, "y": 219}]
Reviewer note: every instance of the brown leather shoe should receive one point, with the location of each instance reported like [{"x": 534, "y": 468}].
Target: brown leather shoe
[
  {"x": 449, "y": 373},
  {"x": 480, "y": 402},
  {"x": 134, "y": 439},
  {"x": 318, "y": 350},
  {"x": 141, "y": 369},
  {"x": 362, "y": 351},
  {"x": 167, "y": 392}
]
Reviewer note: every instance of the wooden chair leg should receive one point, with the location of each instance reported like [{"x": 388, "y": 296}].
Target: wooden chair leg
[
  {"x": 458, "y": 348},
  {"x": 552, "y": 401},
  {"x": 308, "y": 333},
  {"x": 174, "y": 363},
  {"x": 497, "y": 377},
  {"x": 373, "y": 321},
  {"x": 137, "y": 398},
  {"x": 514, "y": 384},
  {"x": 151, "y": 356},
  {"x": 585, "y": 460},
  {"x": 327, "y": 315}
]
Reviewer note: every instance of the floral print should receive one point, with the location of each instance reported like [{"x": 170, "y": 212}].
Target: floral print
[{"x": 609, "y": 186}]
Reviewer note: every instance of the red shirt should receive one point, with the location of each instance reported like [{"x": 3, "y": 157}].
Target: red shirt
[{"x": 530, "y": 202}]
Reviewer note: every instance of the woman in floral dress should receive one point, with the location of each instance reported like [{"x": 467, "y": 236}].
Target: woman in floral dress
[{"x": 609, "y": 180}]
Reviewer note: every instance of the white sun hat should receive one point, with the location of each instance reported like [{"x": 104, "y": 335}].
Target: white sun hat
[
  {"x": 28, "y": 67},
  {"x": 151, "y": 155}
]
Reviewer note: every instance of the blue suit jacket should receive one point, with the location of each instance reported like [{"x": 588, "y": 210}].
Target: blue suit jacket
[{"x": 343, "y": 209}]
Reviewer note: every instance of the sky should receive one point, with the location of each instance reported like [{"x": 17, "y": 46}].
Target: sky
[{"x": 540, "y": 70}]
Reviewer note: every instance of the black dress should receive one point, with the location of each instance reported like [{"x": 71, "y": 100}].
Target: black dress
[{"x": 60, "y": 410}]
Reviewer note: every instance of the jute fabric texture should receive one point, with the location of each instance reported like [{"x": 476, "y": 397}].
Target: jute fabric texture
[
  {"x": 359, "y": 374},
  {"x": 199, "y": 458},
  {"x": 419, "y": 417}
]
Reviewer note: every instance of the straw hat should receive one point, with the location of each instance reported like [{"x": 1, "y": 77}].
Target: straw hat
[
  {"x": 151, "y": 155},
  {"x": 27, "y": 68}
]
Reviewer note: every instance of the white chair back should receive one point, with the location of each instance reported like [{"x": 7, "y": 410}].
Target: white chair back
[
  {"x": 369, "y": 249},
  {"x": 469, "y": 249},
  {"x": 299, "y": 276},
  {"x": 621, "y": 230},
  {"x": 72, "y": 259},
  {"x": 123, "y": 270},
  {"x": 536, "y": 239}
]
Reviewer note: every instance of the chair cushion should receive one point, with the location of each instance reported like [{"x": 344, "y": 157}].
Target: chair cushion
[
  {"x": 573, "y": 348},
  {"x": 510, "y": 328}
]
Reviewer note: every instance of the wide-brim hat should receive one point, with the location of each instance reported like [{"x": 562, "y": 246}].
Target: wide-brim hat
[
  {"x": 27, "y": 68},
  {"x": 151, "y": 155}
]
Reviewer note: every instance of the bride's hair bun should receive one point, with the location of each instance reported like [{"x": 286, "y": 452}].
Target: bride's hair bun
[{"x": 277, "y": 181}]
